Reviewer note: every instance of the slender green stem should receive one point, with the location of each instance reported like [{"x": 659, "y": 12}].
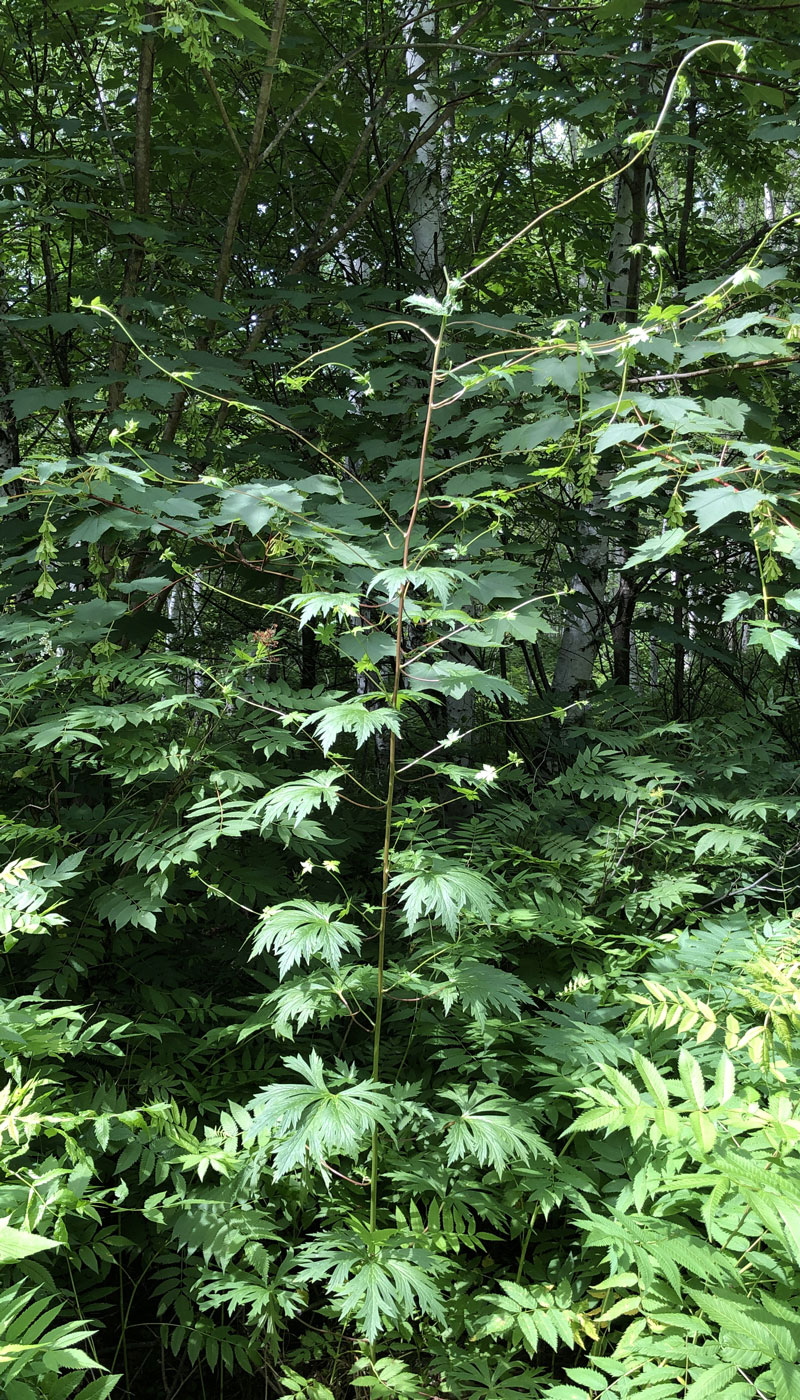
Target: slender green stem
[
  {"x": 526, "y": 1242},
  {"x": 390, "y": 785},
  {"x": 647, "y": 140},
  {"x": 763, "y": 580},
  {"x": 379, "y": 995}
]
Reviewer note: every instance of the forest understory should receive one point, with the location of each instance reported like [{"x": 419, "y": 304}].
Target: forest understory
[{"x": 399, "y": 700}]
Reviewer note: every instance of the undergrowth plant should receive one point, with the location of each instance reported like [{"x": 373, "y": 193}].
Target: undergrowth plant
[{"x": 374, "y": 1026}]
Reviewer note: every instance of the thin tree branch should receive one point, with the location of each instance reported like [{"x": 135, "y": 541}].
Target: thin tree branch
[{"x": 226, "y": 121}]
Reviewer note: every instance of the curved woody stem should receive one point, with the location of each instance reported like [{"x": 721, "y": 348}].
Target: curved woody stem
[{"x": 390, "y": 786}]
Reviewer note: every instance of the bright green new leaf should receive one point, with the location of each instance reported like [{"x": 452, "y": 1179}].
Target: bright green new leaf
[
  {"x": 714, "y": 503},
  {"x": 492, "y": 1128},
  {"x": 296, "y": 800},
  {"x": 737, "y": 603},
  {"x": 776, "y": 642},
  {"x": 299, "y": 931},
  {"x": 21, "y": 1244}
]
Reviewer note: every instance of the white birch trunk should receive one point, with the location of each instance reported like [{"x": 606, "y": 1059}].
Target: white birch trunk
[
  {"x": 582, "y": 632},
  {"x": 426, "y": 195},
  {"x": 618, "y": 255},
  {"x": 428, "y": 183},
  {"x": 183, "y": 611},
  {"x": 769, "y": 205}
]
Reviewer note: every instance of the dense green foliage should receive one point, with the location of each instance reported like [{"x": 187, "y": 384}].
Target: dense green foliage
[{"x": 399, "y": 566}]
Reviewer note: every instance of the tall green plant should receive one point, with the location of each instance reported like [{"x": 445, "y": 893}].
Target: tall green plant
[{"x": 504, "y": 1103}]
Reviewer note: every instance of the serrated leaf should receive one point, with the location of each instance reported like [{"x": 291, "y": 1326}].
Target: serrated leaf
[
  {"x": 493, "y": 1128},
  {"x": 297, "y": 799},
  {"x": 530, "y": 1336},
  {"x": 377, "y": 1285},
  {"x": 310, "y": 1119},
  {"x": 773, "y": 640},
  {"x": 725, "y": 1079},
  {"x": 299, "y": 931},
  {"x": 457, "y": 679},
  {"x": 752, "y": 1325},
  {"x": 430, "y": 305},
  {"x": 657, "y": 548},
  {"x": 445, "y": 894},
  {"x": 311, "y": 605},
  {"x": 711, "y": 1382},
  {"x": 691, "y": 1077},
  {"x": 786, "y": 1379},
  {"x": 480, "y": 987},
  {"x": 351, "y": 717},
  {"x": 439, "y": 582},
  {"x": 616, "y": 433},
  {"x": 737, "y": 603},
  {"x": 704, "y": 1129},
  {"x": 99, "y": 1389},
  {"x": 715, "y": 503},
  {"x": 533, "y": 435},
  {"x": 609, "y": 1118},
  {"x": 790, "y": 1215},
  {"x": 652, "y": 1079}
]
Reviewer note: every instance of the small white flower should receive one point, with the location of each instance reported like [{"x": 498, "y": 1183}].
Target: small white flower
[
  {"x": 486, "y": 774},
  {"x": 453, "y": 736},
  {"x": 637, "y": 335},
  {"x": 331, "y": 865},
  {"x": 307, "y": 866}
]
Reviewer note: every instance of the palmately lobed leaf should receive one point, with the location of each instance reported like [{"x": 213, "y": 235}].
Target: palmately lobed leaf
[
  {"x": 493, "y": 1128},
  {"x": 308, "y": 1122},
  {"x": 299, "y": 931},
  {"x": 445, "y": 895},
  {"x": 351, "y": 717}
]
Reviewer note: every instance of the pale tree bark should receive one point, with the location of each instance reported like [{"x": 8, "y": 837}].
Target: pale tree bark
[
  {"x": 687, "y": 206},
  {"x": 183, "y": 609},
  {"x": 624, "y": 272},
  {"x": 769, "y": 205},
  {"x": 580, "y": 639},
  {"x": 426, "y": 194},
  {"x": 427, "y": 174},
  {"x": 771, "y": 211},
  {"x": 321, "y": 241}
]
